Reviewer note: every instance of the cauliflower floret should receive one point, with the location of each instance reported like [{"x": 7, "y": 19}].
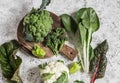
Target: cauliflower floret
[{"x": 55, "y": 69}]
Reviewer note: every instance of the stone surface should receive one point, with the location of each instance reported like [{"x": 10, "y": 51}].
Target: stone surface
[{"x": 12, "y": 11}]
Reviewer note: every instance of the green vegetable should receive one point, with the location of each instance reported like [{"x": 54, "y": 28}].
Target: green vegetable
[
  {"x": 77, "y": 81},
  {"x": 69, "y": 23},
  {"x": 36, "y": 25},
  {"x": 46, "y": 76},
  {"x": 56, "y": 40},
  {"x": 38, "y": 52},
  {"x": 9, "y": 62},
  {"x": 92, "y": 60},
  {"x": 60, "y": 61},
  {"x": 88, "y": 22},
  {"x": 42, "y": 66},
  {"x": 44, "y": 4},
  {"x": 63, "y": 78},
  {"x": 99, "y": 63},
  {"x": 74, "y": 67}
]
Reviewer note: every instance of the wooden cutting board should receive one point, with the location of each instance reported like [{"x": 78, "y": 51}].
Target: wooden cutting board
[{"x": 27, "y": 46}]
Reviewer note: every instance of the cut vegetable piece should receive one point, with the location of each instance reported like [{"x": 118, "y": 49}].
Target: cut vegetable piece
[
  {"x": 74, "y": 67},
  {"x": 38, "y": 52}
]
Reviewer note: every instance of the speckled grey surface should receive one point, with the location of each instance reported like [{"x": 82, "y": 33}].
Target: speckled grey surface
[{"x": 12, "y": 11}]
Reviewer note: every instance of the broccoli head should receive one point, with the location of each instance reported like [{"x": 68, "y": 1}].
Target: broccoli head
[{"x": 36, "y": 25}]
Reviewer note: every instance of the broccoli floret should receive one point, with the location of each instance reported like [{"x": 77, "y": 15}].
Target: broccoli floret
[
  {"x": 55, "y": 40},
  {"x": 37, "y": 24}
]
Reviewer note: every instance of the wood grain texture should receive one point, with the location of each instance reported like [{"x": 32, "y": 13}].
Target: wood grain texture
[{"x": 27, "y": 46}]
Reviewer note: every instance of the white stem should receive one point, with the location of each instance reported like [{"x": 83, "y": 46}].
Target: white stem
[
  {"x": 88, "y": 47},
  {"x": 80, "y": 57},
  {"x": 85, "y": 55}
]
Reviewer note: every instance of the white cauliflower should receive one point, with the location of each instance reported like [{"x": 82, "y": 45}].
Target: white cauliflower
[{"x": 52, "y": 71}]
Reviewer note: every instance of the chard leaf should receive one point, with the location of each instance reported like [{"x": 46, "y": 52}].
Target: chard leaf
[
  {"x": 88, "y": 23},
  {"x": 9, "y": 62},
  {"x": 91, "y": 53},
  {"x": 99, "y": 63},
  {"x": 79, "y": 14},
  {"x": 89, "y": 18},
  {"x": 83, "y": 33},
  {"x": 44, "y": 4},
  {"x": 69, "y": 23},
  {"x": 63, "y": 78}
]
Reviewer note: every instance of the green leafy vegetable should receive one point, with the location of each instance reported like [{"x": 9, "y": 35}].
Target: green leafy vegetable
[
  {"x": 46, "y": 76},
  {"x": 36, "y": 25},
  {"x": 42, "y": 66},
  {"x": 74, "y": 67},
  {"x": 91, "y": 60},
  {"x": 60, "y": 61},
  {"x": 69, "y": 23},
  {"x": 9, "y": 62},
  {"x": 63, "y": 78},
  {"x": 88, "y": 22},
  {"x": 38, "y": 52},
  {"x": 77, "y": 81},
  {"x": 99, "y": 63},
  {"x": 44, "y": 4},
  {"x": 56, "y": 40}
]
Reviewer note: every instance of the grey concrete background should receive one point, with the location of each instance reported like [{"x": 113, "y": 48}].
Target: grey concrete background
[{"x": 12, "y": 11}]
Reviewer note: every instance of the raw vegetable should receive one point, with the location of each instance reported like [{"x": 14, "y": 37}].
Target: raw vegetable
[
  {"x": 99, "y": 63},
  {"x": 92, "y": 60},
  {"x": 47, "y": 76},
  {"x": 74, "y": 67},
  {"x": 42, "y": 66},
  {"x": 37, "y": 24},
  {"x": 9, "y": 62},
  {"x": 60, "y": 61},
  {"x": 38, "y": 51},
  {"x": 54, "y": 72},
  {"x": 87, "y": 23},
  {"x": 69, "y": 23},
  {"x": 56, "y": 40},
  {"x": 44, "y": 4},
  {"x": 63, "y": 78},
  {"x": 77, "y": 81}
]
